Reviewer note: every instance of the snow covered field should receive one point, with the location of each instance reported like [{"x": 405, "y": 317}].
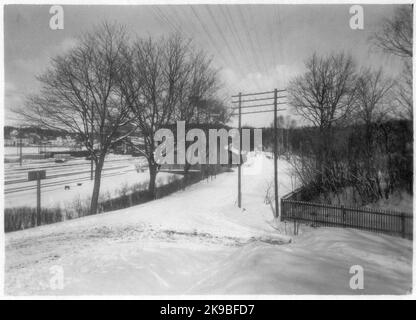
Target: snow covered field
[
  {"x": 198, "y": 242},
  {"x": 119, "y": 172},
  {"x": 56, "y": 195}
]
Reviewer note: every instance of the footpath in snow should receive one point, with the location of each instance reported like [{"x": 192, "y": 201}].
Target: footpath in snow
[{"x": 198, "y": 242}]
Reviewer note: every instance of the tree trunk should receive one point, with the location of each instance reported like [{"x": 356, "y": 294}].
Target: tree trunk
[
  {"x": 97, "y": 182},
  {"x": 152, "y": 181}
]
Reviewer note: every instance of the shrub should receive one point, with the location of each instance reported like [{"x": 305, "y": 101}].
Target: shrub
[{"x": 25, "y": 217}]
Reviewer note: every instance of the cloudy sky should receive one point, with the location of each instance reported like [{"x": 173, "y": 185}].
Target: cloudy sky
[{"x": 257, "y": 47}]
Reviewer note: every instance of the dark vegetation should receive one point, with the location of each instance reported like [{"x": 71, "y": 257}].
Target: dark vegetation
[{"x": 374, "y": 174}]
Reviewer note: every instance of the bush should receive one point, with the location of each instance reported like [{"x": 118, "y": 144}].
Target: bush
[{"x": 25, "y": 217}]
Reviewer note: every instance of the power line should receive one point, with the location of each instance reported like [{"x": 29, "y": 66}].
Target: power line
[
  {"x": 159, "y": 13},
  {"x": 204, "y": 27},
  {"x": 255, "y": 56},
  {"x": 256, "y": 93},
  {"x": 258, "y": 105},
  {"x": 261, "y": 51},
  {"x": 168, "y": 20},
  {"x": 263, "y": 111},
  {"x": 231, "y": 26},
  {"x": 222, "y": 36},
  {"x": 225, "y": 46},
  {"x": 261, "y": 99}
]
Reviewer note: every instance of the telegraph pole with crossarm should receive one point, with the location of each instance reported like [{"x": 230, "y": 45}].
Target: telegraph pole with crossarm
[{"x": 253, "y": 100}]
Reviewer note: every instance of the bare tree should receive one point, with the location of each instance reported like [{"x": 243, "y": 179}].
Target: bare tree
[
  {"x": 396, "y": 34},
  {"x": 396, "y": 37},
  {"x": 372, "y": 104},
  {"x": 79, "y": 95},
  {"x": 199, "y": 99},
  {"x": 324, "y": 96},
  {"x": 404, "y": 92},
  {"x": 372, "y": 96},
  {"x": 164, "y": 81},
  {"x": 211, "y": 110}
]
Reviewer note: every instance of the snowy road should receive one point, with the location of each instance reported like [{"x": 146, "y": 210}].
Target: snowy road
[{"x": 198, "y": 242}]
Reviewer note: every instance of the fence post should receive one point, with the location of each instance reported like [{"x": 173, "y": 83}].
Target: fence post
[
  {"x": 403, "y": 226},
  {"x": 343, "y": 215},
  {"x": 38, "y": 205}
]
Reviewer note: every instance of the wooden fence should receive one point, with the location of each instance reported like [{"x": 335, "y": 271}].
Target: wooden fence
[{"x": 381, "y": 221}]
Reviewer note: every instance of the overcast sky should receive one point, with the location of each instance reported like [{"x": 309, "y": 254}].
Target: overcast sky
[{"x": 257, "y": 47}]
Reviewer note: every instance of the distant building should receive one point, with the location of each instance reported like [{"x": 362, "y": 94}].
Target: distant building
[
  {"x": 14, "y": 141},
  {"x": 129, "y": 145}
]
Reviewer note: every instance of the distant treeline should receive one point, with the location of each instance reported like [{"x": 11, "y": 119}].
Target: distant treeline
[{"x": 34, "y": 130}]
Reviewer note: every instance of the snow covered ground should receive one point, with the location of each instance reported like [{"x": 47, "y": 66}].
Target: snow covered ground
[
  {"x": 119, "y": 172},
  {"x": 57, "y": 196},
  {"x": 198, "y": 242}
]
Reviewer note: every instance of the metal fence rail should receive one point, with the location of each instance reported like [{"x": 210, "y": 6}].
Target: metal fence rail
[{"x": 380, "y": 221}]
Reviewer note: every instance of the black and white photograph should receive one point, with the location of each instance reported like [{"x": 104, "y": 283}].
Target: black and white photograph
[{"x": 207, "y": 150}]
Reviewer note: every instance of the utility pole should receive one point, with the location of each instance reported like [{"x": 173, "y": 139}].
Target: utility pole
[
  {"x": 20, "y": 142},
  {"x": 276, "y": 186},
  {"x": 38, "y": 204},
  {"x": 37, "y": 175},
  {"x": 239, "y": 150},
  {"x": 260, "y": 96},
  {"x": 92, "y": 142}
]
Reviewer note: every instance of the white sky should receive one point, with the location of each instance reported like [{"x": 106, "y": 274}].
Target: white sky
[{"x": 257, "y": 47}]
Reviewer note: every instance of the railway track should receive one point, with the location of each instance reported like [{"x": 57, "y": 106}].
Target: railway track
[
  {"x": 62, "y": 175},
  {"x": 52, "y": 166},
  {"x": 62, "y": 182}
]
